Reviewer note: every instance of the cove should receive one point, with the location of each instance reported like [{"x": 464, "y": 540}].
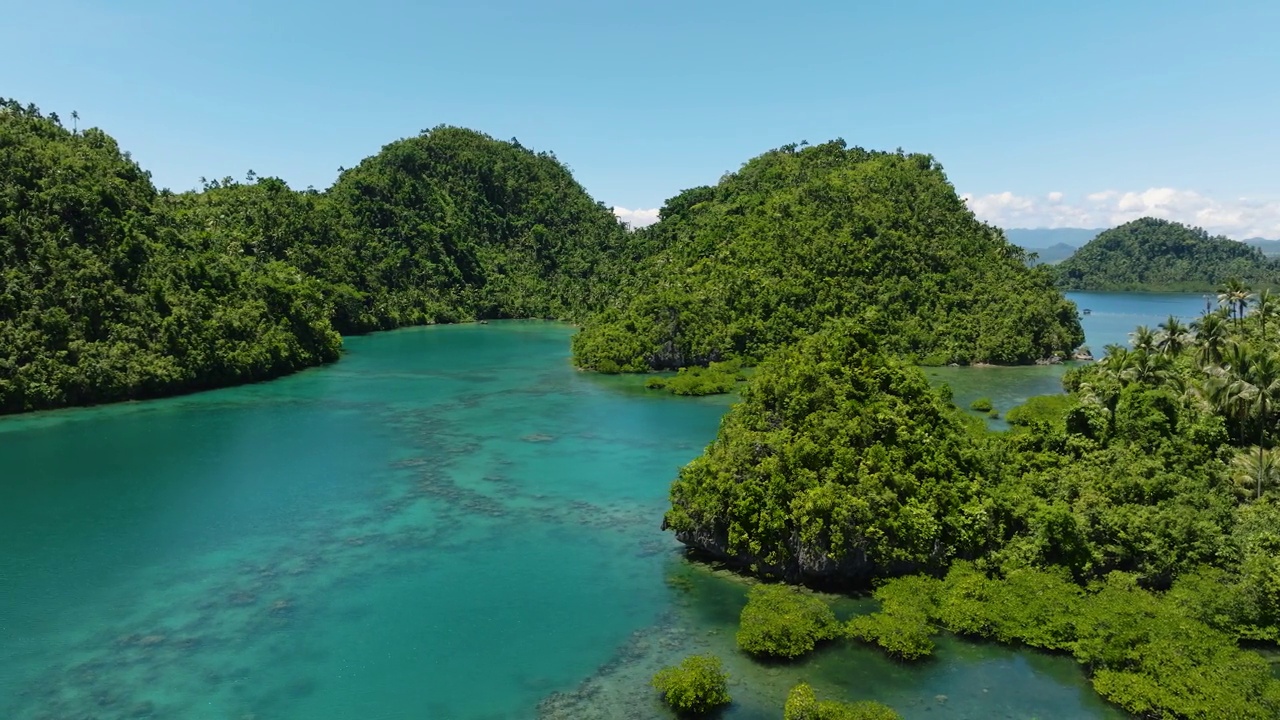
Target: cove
[
  {"x": 1112, "y": 316},
  {"x": 450, "y": 522}
]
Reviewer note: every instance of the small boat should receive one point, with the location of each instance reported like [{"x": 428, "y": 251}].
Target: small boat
[{"x": 1087, "y": 311}]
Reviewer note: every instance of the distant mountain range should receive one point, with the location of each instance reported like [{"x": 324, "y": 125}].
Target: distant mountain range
[
  {"x": 1268, "y": 247},
  {"x": 1053, "y": 245},
  {"x": 1042, "y": 238}
]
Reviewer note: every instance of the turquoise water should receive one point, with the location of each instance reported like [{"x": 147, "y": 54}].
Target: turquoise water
[{"x": 450, "y": 522}]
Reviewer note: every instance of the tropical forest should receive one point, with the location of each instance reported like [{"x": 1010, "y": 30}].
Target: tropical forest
[
  {"x": 822, "y": 490},
  {"x": 1150, "y": 254}
]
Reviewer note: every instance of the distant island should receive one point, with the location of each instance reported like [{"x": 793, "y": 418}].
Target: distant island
[
  {"x": 1053, "y": 254},
  {"x": 1037, "y": 239},
  {"x": 1153, "y": 254},
  {"x": 1053, "y": 245}
]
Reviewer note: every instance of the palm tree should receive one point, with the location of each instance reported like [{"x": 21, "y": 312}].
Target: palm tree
[
  {"x": 1104, "y": 390},
  {"x": 1262, "y": 395},
  {"x": 1243, "y": 302},
  {"x": 1187, "y": 391},
  {"x": 1211, "y": 336},
  {"x": 1234, "y": 295},
  {"x": 1146, "y": 368},
  {"x": 1115, "y": 359},
  {"x": 1266, "y": 306},
  {"x": 1228, "y": 387},
  {"x": 1260, "y": 469},
  {"x": 1173, "y": 336},
  {"x": 1143, "y": 339},
  {"x": 75, "y": 122}
]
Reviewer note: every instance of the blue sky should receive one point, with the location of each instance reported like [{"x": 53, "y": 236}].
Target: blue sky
[{"x": 1043, "y": 113}]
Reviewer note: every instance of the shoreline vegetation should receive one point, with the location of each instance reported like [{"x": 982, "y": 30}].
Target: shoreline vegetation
[
  {"x": 114, "y": 290},
  {"x": 1131, "y": 523}
]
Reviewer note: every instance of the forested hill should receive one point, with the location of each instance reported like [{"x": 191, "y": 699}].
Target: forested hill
[
  {"x": 1152, "y": 254},
  {"x": 1130, "y": 524},
  {"x": 111, "y": 290},
  {"x": 454, "y": 225},
  {"x": 800, "y": 235}
]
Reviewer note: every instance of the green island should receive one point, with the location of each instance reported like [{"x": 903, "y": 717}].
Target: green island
[
  {"x": 1159, "y": 255},
  {"x": 1131, "y": 523},
  {"x": 112, "y": 290},
  {"x": 799, "y": 235}
]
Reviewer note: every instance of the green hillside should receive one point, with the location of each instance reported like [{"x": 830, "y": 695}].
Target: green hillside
[
  {"x": 112, "y": 290},
  {"x": 1130, "y": 524},
  {"x": 801, "y": 235},
  {"x": 1152, "y": 254}
]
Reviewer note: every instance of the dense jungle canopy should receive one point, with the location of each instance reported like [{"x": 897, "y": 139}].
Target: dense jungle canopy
[
  {"x": 802, "y": 235},
  {"x": 1134, "y": 522},
  {"x": 115, "y": 290},
  {"x": 112, "y": 290}
]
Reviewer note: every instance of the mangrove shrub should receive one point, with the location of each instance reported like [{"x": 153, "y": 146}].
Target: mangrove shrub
[
  {"x": 696, "y": 686},
  {"x": 781, "y": 622}
]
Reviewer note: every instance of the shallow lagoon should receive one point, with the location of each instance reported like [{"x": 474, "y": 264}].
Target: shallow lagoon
[
  {"x": 1112, "y": 317},
  {"x": 449, "y": 523}
]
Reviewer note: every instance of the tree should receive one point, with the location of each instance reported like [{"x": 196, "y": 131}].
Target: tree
[
  {"x": 1226, "y": 387},
  {"x": 1146, "y": 367},
  {"x": 75, "y": 122},
  {"x": 1260, "y": 469},
  {"x": 696, "y": 686},
  {"x": 1261, "y": 394},
  {"x": 1173, "y": 337},
  {"x": 1265, "y": 307},
  {"x": 1211, "y": 337},
  {"x": 1234, "y": 295},
  {"x": 1143, "y": 339}
]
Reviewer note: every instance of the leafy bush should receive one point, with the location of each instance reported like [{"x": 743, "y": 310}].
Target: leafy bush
[
  {"x": 715, "y": 379},
  {"x": 1153, "y": 660},
  {"x": 696, "y": 686},
  {"x": 903, "y": 627},
  {"x": 803, "y": 704},
  {"x": 903, "y": 634},
  {"x": 981, "y": 405},
  {"x": 781, "y": 622},
  {"x": 1030, "y": 606},
  {"x": 1041, "y": 408}
]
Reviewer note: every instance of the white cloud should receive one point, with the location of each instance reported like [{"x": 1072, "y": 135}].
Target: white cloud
[
  {"x": 1238, "y": 218},
  {"x": 636, "y": 218}
]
